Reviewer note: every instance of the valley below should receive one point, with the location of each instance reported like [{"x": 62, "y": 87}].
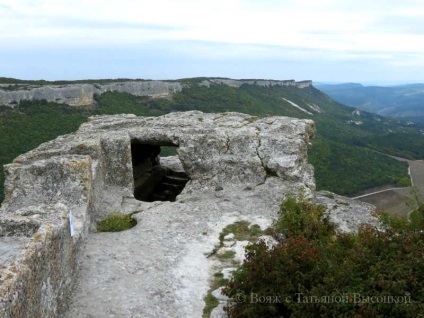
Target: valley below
[
  {"x": 394, "y": 200},
  {"x": 403, "y": 101}
]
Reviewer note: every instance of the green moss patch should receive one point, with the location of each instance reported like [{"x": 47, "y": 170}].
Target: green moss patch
[
  {"x": 227, "y": 255},
  {"x": 210, "y": 301},
  {"x": 116, "y": 222},
  {"x": 241, "y": 231}
]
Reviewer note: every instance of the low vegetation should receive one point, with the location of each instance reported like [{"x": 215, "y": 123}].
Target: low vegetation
[
  {"x": 315, "y": 271},
  {"x": 241, "y": 231},
  {"x": 210, "y": 301},
  {"x": 116, "y": 222}
]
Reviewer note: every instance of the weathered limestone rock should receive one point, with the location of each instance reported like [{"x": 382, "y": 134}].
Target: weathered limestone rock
[
  {"x": 214, "y": 149},
  {"x": 219, "y": 312},
  {"x": 83, "y": 94},
  {"x": 172, "y": 162},
  {"x": 37, "y": 275},
  {"x": 347, "y": 213},
  {"x": 240, "y": 168},
  {"x": 238, "y": 83},
  {"x": 217, "y": 293}
]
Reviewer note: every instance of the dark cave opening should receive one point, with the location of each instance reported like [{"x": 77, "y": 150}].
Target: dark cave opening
[{"x": 153, "y": 182}]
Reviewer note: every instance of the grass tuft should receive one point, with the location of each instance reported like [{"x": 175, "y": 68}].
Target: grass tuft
[{"x": 241, "y": 231}]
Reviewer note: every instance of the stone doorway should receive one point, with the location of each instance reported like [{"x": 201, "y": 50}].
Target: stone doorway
[{"x": 156, "y": 179}]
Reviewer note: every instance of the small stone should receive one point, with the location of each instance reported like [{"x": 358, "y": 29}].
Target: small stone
[
  {"x": 269, "y": 240},
  {"x": 281, "y": 237},
  {"x": 217, "y": 293},
  {"x": 219, "y": 194},
  {"x": 224, "y": 250},
  {"x": 229, "y": 243},
  {"x": 229, "y": 237},
  {"x": 218, "y": 312},
  {"x": 228, "y": 272},
  {"x": 219, "y": 188}
]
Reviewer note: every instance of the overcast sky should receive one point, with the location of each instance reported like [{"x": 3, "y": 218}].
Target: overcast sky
[{"x": 322, "y": 40}]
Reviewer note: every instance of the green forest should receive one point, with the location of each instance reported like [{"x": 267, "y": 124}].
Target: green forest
[{"x": 342, "y": 152}]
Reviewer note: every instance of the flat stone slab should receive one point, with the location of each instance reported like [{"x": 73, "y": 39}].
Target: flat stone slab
[{"x": 160, "y": 267}]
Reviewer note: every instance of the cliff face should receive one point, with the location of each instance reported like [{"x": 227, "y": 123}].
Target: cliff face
[
  {"x": 82, "y": 94},
  {"x": 263, "y": 83},
  {"x": 239, "y": 166}
]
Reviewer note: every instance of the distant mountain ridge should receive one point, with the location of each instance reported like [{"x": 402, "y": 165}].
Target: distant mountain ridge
[
  {"x": 401, "y": 101},
  {"x": 337, "y": 86},
  {"x": 81, "y": 93}
]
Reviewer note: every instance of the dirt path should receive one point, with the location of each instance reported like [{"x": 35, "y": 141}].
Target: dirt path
[
  {"x": 160, "y": 267},
  {"x": 376, "y": 192}
]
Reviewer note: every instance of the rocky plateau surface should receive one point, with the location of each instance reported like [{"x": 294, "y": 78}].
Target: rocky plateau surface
[{"x": 53, "y": 263}]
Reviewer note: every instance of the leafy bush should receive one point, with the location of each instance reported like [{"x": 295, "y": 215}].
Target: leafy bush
[
  {"x": 302, "y": 218},
  {"x": 314, "y": 271},
  {"x": 116, "y": 222}
]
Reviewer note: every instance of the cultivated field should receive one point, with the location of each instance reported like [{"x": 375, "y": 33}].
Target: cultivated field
[{"x": 394, "y": 200}]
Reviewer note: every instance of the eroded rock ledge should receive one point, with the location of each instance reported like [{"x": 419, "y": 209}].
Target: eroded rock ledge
[{"x": 235, "y": 163}]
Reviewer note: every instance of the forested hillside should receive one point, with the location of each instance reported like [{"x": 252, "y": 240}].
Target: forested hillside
[
  {"x": 403, "y": 102},
  {"x": 341, "y": 152}
]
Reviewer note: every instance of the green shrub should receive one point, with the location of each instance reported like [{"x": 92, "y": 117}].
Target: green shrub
[
  {"x": 317, "y": 272},
  {"x": 299, "y": 217},
  {"x": 116, "y": 222}
]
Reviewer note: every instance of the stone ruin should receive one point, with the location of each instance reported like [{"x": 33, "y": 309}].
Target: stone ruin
[{"x": 227, "y": 164}]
